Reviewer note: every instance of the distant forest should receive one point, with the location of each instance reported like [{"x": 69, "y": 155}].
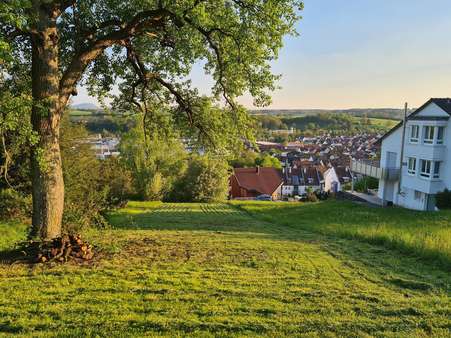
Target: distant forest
[
  {"x": 383, "y": 113},
  {"x": 305, "y": 122},
  {"x": 272, "y": 127}
]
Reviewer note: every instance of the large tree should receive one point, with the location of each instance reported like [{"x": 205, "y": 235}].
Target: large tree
[{"x": 149, "y": 47}]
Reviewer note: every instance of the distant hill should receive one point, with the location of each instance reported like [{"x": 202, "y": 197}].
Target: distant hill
[
  {"x": 386, "y": 113},
  {"x": 85, "y": 106}
]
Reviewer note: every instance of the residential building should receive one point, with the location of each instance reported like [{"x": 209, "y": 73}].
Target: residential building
[
  {"x": 303, "y": 177},
  {"x": 248, "y": 183},
  {"x": 415, "y": 161}
]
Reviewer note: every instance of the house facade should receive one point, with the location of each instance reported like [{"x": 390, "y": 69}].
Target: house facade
[
  {"x": 248, "y": 183},
  {"x": 416, "y": 166},
  {"x": 298, "y": 180}
]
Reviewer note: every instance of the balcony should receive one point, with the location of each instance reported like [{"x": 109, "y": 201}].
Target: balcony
[{"x": 373, "y": 169}]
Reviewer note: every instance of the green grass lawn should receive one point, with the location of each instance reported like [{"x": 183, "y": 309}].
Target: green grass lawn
[
  {"x": 227, "y": 270},
  {"x": 425, "y": 234}
]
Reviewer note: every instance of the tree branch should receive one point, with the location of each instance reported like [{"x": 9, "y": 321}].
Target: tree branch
[{"x": 145, "y": 21}]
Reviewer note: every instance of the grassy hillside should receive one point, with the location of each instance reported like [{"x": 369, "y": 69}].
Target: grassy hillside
[
  {"x": 427, "y": 235},
  {"x": 220, "y": 270}
]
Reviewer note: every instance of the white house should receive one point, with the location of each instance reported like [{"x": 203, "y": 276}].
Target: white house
[
  {"x": 425, "y": 150},
  {"x": 331, "y": 180},
  {"x": 319, "y": 178}
]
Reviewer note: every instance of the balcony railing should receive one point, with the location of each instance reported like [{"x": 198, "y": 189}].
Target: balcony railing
[{"x": 373, "y": 169}]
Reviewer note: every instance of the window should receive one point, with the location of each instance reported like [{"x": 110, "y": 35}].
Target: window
[
  {"x": 430, "y": 169},
  {"x": 414, "y": 133},
  {"x": 418, "y": 195},
  {"x": 440, "y": 134},
  {"x": 412, "y": 168},
  {"x": 428, "y": 134},
  {"x": 426, "y": 168},
  {"x": 436, "y": 173}
]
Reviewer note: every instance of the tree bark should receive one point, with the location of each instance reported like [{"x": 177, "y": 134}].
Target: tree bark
[{"x": 46, "y": 168}]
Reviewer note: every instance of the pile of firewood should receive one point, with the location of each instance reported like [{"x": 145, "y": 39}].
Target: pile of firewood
[{"x": 62, "y": 249}]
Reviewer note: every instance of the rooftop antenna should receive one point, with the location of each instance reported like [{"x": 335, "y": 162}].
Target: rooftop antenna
[{"x": 401, "y": 160}]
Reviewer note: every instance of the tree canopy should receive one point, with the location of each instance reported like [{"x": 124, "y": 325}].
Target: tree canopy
[{"x": 148, "y": 49}]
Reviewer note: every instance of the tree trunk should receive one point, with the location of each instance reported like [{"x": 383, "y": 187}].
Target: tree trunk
[{"x": 46, "y": 169}]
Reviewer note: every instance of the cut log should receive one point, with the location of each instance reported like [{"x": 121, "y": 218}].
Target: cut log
[{"x": 61, "y": 249}]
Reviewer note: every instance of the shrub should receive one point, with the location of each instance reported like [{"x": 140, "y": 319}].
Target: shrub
[
  {"x": 92, "y": 186},
  {"x": 14, "y": 205},
  {"x": 443, "y": 199},
  {"x": 205, "y": 180},
  {"x": 366, "y": 183}
]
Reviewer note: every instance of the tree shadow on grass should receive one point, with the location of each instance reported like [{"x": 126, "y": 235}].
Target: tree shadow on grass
[
  {"x": 233, "y": 220},
  {"x": 309, "y": 222},
  {"x": 15, "y": 255}
]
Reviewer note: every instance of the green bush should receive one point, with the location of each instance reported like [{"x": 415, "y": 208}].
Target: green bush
[
  {"x": 366, "y": 183},
  {"x": 92, "y": 186},
  {"x": 14, "y": 205},
  {"x": 443, "y": 199},
  {"x": 311, "y": 197},
  {"x": 205, "y": 180}
]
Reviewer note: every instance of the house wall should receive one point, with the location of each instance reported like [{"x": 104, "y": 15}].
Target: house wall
[
  {"x": 277, "y": 195},
  {"x": 330, "y": 177},
  {"x": 432, "y": 110},
  {"x": 392, "y": 143},
  {"x": 287, "y": 190},
  {"x": 235, "y": 190},
  {"x": 411, "y": 183}
]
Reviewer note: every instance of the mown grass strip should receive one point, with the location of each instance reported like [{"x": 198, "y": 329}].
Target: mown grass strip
[{"x": 424, "y": 234}]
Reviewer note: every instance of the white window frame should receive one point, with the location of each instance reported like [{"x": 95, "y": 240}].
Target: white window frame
[
  {"x": 428, "y": 166},
  {"x": 432, "y": 169},
  {"x": 412, "y": 166},
  {"x": 414, "y": 133},
  {"x": 428, "y": 139}
]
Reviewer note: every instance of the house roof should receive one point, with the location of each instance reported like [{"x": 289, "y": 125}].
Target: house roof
[
  {"x": 342, "y": 172},
  {"x": 312, "y": 176},
  {"x": 443, "y": 103},
  {"x": 262, "y": 180}
]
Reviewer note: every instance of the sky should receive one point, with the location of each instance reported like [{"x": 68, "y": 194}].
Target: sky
[{"x": 359, "y": 54}]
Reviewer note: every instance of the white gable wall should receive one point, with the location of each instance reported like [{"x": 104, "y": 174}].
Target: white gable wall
[
  {"x": 330, "y": 176},
  {"x": 432, "y": 110}
]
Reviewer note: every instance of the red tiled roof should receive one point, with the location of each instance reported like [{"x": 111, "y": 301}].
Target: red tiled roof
[{"x": 262, "y": 180}]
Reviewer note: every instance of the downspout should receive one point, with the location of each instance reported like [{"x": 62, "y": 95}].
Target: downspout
[{"x": 404, "y": 126}]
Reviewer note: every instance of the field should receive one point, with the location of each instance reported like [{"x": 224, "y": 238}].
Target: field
[
  {"x": 75, "y": 112},
  {"x": 230, "y": 270},
  {"x": 383, "y": 123}
]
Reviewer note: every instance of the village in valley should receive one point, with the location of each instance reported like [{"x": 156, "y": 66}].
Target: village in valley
[
  {"x": 319, "y": 165},
  {"x": 225, "y": 168},
  {"x": 409, "y": 164}
]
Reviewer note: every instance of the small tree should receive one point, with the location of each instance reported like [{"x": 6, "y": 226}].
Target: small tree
[
  {"x": 205, "y": 180},
  {"x": 155, "y": 159},
  {"x": 269, "y": 161}
]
